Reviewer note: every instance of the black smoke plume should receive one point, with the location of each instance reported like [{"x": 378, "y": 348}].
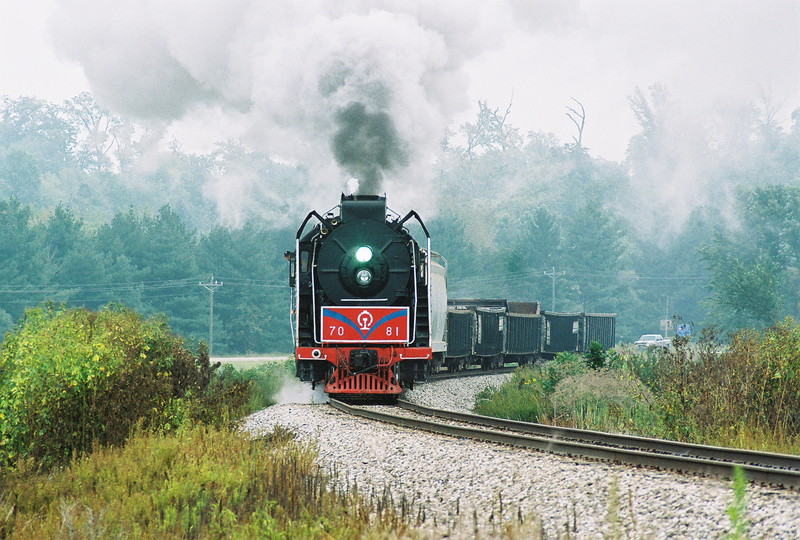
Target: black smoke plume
[{"x": 366, "y": 144}]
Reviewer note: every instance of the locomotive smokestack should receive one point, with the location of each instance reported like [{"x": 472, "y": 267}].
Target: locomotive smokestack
[
  {"x": 370, "y": 207},
  {"x": 366, "y": 144}
]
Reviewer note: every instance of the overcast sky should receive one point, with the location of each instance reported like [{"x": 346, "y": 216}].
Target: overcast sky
[{"x": 597, "y": 51}]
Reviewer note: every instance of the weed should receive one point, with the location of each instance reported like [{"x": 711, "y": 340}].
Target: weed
[
  {"x": 613, "y": 519},
  {"x": 521, "y": 398},
  {"x": 737, "y": 509}
]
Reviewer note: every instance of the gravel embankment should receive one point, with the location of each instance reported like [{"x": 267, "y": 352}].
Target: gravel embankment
[{"x": 467, "y": 487}]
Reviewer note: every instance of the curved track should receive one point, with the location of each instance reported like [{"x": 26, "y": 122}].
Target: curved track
[
  {"x": 760, "y": 467},
  {"x": 444, "y": 375}
]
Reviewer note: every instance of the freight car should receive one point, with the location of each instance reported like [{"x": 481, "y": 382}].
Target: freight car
[
  {"x": 573, "y": 332},
  {"x": 517, "y": 332}
]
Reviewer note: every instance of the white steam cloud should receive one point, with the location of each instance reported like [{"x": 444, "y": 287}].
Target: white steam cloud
[{"x": 286, "y": 71}]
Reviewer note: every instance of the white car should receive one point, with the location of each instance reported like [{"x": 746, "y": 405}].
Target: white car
[{"x": 652, "y": 340}]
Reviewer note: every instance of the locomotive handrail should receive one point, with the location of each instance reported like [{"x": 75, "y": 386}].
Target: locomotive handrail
[
  {"x": 414, "y": 214},
  {"x": 311, "y": 214}
]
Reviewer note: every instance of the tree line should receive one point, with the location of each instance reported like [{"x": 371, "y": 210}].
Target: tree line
[
  {"x": 699, "y": 223},
  {"x": 152, "y": 263}
]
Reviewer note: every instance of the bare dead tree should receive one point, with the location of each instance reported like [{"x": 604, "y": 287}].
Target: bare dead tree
[
  {"x": 579, "y": 119},
  {"x": 504, "y": 133}
]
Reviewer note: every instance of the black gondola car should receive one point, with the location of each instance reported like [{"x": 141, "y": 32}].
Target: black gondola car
[
  {"x": 573, "y": 332},
  {"x": 600, "y": 327},
  {"x": 460, "y": 338},
  {"x": 523, "y": 332},
  {"x": 490, "y": 335},
  {"x": 560, "y": 332},
  {"x": 517, "y": 332}
]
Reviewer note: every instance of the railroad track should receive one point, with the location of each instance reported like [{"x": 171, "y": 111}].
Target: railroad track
[
  {"x": 443, "y": 376},
  {"x": 759, "y": 467}
]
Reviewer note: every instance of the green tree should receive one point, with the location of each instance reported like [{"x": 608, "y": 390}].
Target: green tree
[
  {"x": 595, "y": 247},
  {"x": 772, "y": 222},
  {"x": 38, "y": 128},
  {"x": 534, "y": 245},
  {"x": 20, "y": 176},
  {"x": 97, "y": 132},
  {"x": 754, "y": 269},
  {"x": 252, "y": 306},
  {"x": 18, "y": 243}
]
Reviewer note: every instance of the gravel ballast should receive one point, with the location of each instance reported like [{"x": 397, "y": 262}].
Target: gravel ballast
[{"x": 466, "y": 488}]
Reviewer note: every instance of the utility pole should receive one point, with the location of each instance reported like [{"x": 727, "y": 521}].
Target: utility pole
[
  {"x": 211, "y": 286},
  {"x": 667, "y": 324},
  {"x": 552, "y": 275}
]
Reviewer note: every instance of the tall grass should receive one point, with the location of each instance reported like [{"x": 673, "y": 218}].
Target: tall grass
[
  {"x": 200, "y": 482},
  {"x": 568, "y": 392},
  {"x": 744, "y": 395},
  {"x": 606, "y": 400}
]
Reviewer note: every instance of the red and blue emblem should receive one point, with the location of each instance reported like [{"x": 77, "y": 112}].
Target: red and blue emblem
[{"x": 365, "y": 324}]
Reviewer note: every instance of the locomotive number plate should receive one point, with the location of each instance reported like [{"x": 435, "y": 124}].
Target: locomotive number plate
[{"x": 365, "y": 324}]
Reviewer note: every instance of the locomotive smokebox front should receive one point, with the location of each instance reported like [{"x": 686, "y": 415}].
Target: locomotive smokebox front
[{"x": 363, "y": 258}]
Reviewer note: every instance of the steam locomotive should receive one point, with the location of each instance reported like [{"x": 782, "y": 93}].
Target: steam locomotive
[
  {"x": 369, "y": 301},
  {"x": 370, "y": 313}
]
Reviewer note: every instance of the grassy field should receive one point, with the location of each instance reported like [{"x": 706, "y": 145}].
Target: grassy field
[
  {"x": 130, "y": 434},
  {"x": 199, "y": 482},
  {"x": 248, "y": 362},
  {"x": 745, "y": 395}
]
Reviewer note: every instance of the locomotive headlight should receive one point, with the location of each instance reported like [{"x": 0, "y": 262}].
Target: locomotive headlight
[
  {"x": 364, "y": 277},
  {"x": 364, "y": 254}
]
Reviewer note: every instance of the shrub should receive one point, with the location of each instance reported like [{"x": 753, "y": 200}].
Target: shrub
[
  {"x": 521, "y": 398},
  {"x": 596, "y": 356},
  {"x": 72, "y": 378},
  {"x": 607, "y": 400},
  {"x": 750, "y": 389},
  {"x": 564, "y": 365}
]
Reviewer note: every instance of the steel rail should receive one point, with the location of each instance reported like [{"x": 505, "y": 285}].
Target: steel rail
[
  {"x": 445, "y": 375},
  {"x": 719, "y": 453},
  {"x": 636, "y": 456}
]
